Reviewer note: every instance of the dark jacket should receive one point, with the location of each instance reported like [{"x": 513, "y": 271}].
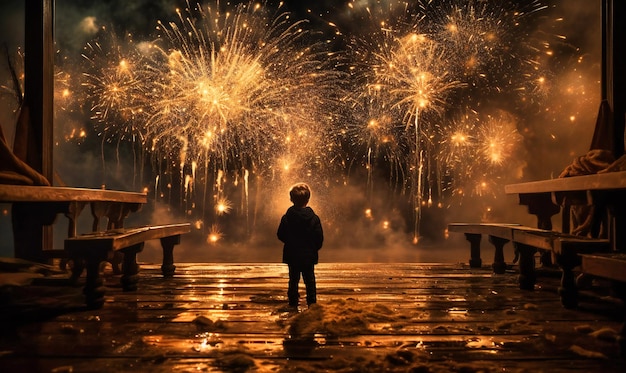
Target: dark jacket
[{"x": 300, "y": 230}]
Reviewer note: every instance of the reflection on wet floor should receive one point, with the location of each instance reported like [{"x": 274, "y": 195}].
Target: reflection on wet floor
[{"x": 369, "y": 317}]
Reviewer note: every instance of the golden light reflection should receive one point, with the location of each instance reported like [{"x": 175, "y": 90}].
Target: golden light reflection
[
  {"x": 485, "y": 344},
  {"x": 458, "y": 312}
]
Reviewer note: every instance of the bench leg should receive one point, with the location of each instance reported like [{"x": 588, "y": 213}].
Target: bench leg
[
  {"x": 94, "y": 284},
  {"x": 78, "y": 266},
  {"x": 527, "y": 275},
  {"x": 116, "y": 259},
  {"x": 130, "y": 268},
  {"x": 546, "y": 259},
  {"x": 499, "y": 266},
  {"x": 474, "y": 240},
  {"x": 621, "y": 339},
  {"x": 619, "y": 289},
  {"x": 568, "y": 291},
  {"x": 168, "y": 243}
]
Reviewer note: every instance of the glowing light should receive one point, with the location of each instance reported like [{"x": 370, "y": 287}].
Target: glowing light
[
  {"x": 499, "y": 139},
  {"x": 214, "y": 235},
  {"x": 223, "y": 206}
]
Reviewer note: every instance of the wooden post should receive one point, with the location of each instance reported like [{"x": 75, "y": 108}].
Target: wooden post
[
  {"x": 39, "y": 82},
  {"x": 39, "y": 106},
  {"x": 613, "y": 61}
]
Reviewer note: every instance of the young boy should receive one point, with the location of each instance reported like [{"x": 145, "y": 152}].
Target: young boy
[{"x": 300, "y": 230}]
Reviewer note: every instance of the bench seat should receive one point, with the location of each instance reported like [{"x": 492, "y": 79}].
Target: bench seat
[
  {"x": 611, "y": 266},
  {"x": 563, "y": 249},
  {"x": 88, "y": 251}
]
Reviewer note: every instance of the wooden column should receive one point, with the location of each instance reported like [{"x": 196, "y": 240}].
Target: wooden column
[
  {"x": 39, "y": 83},
  {"x": 613, "y": 62},
  {"x": 37, "y": 123}
]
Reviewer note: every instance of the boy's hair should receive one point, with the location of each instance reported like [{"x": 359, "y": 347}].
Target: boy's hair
[{"x": 300, "y": 194}]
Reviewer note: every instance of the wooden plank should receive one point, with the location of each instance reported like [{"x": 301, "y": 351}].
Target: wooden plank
[
  {"x": 117, "y": 239},
  {"x": 494, "y": 229},
  {"x": 539, "y": 240},
  {"x": 604, "y": 181},
  {"x": 22, "y": 193},
  {"x": 611, "y": 266}
]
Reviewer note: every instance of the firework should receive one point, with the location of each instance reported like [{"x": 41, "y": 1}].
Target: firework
[
  {"x": 498, "y": 139},
  {"x": 415, "y": 59},
  {"x": 224, "y": 92},
  {"x": 220, "y": 90},
  {"x": 411, "y": 70},
  {"x": 115, "y": 83},
  {"x": 235, "y": 84}
]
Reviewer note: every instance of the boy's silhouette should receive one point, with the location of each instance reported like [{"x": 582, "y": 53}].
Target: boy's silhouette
[{"x": 300, "y": 230}]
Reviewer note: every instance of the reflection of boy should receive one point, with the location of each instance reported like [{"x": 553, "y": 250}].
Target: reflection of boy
[{"x": 300, "y": 230}]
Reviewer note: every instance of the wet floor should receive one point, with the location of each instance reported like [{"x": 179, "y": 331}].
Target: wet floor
[{"x": 370, "y": 317}]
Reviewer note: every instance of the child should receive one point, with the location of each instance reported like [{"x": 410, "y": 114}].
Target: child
[{"x": 300, "y": 230}]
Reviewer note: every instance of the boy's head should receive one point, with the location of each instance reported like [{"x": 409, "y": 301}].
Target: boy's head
[{"x": 300, "y": 194}]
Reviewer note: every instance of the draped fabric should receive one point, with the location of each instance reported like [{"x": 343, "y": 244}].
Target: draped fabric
[
  {"x": 586, "y": 220},
  {"x": 14, "y": 170}
]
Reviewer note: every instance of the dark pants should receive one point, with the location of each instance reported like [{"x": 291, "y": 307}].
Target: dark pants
[{"x": 308, "y": 275}]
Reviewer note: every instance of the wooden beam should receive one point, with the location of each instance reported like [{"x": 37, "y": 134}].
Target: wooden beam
[
  {"x": 39, "y": 83},
  {"x": 38, "y": 106},
  {"x": 613, "y": 61}
]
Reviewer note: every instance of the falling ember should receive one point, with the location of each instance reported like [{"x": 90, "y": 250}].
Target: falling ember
[
  {"x": 223, "y": 206},
  {"x": 198, "y": 224},
  {"x": 214, "y": 235}
]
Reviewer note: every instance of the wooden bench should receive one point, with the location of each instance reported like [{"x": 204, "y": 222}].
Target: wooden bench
[
  {"x": 499, "y": 235},
  {"x": 603, "y": 192},
  {"x": 34, "y": 210},
  {"x": 88, "y": 251},
  {"x": 610, "y": 266},
  {"x": 565, "y": 249}
]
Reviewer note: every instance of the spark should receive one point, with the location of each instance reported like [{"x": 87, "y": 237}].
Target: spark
[
  {"x": 223, "y": 206},
  {"x": 499, "y": 139},
  {"x": 215, "y": 235}
]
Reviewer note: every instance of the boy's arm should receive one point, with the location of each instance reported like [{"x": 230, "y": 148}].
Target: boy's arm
[
  {"x": 318, "y": 234},
  {"x": 282, "y": 229}
]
